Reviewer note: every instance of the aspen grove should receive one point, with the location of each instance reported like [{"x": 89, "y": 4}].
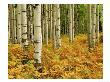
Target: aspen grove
[{"x": 55, "y": 41}]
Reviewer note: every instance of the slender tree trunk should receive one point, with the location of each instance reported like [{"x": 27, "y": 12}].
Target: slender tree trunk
[
  {"x": 28, "y": 22},
  {"x": 70, "y": 23},
  {"x": 14, "y": 24},
  {"x": 42, "y": 21},
  {"x": 46, "y": 23},
  {"x": 11, "y": 23},
  {"x": 49, "y": 29},
  {"x": 73, "y": 22},
  {"x": 51, "y": 21},
  {"x": 37, "y": 34},
  {"x": 94, "y": 24},
  {"x": 54, "y": 25},
  {"x": 24, "y": 26},
  {"x": 97, "y": 23},
  {"x": 19, "y": 23},
  {"x": 32, "y": 25},
  {"x": 9, "y": 33},
  {"x": 65, "y": 12},
  {"x": 89, "y": 26},
  {"x": 58, "y": 39}
]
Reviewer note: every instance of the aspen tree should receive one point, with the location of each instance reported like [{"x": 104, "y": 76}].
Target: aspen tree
[
  {"x": 58, "y": 39},
  {"x": 42, "y": 21},
  {"x": 9, "y": 23},
  {"x": 97, "y": 22},
  {"x": 50, "y": 20},
  {"x": 24, "y": 26},
  {"x": 70, "y": 23},
  {"x": 19, "y": 23},
  {"x": 46, "y": 24},
  {"x": 93, "y": 24},
  {"x": 65, "y": 19},
  {"x": 28, "y": 7},
  {"x": 14, "y": 24},
  {"x": 31, "y": 27},
  {"x": 89, "y": 26},
  {"x": 37, "y": 35},
  {"x": 49, "y": 29},
  {"x": 54, "y": 25}
]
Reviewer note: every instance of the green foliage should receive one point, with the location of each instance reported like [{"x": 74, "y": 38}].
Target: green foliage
[{"x": 80, "y": 14}]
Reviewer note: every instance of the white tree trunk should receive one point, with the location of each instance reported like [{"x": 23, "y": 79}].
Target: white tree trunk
[
  {"x": 70, "y": 23},
  {"x": 24, "y": 25},
  {"x": 19, "y": 23},
  {"x": 46, "y": 23},
  {"x": 31, "y": 28},
  {"x": 73, "y": 22},
  {"x": 9, "y": 32},
  {"x": 97, "y": 23},
  {"x": 94, "y": 25},
  {"x": 58, "y": 39},
  {"x": 43, "y": 22},
  {"x": 37, "y": 34},
  {"x": 51, "y": 21},
  {"x": 53, "y": 26},
  {"x": 89, "y": 26},
  {"x": 14, "y": 24}
]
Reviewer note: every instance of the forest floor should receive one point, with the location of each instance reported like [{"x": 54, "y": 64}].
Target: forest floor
[{"x": 71, "y": 61}]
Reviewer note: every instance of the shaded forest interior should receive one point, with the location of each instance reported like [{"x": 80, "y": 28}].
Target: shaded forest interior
[{"x": 55, "y": 41}]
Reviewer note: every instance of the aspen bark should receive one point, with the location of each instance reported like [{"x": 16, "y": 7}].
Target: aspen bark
[
  {"x": 31, "y": 27},
  {"x": 70, "y": 23},
  {"x": 19, "y": 23},
  {"x": 9, "y": 33},
  {"x": 14, "y": 24},
  {"x": 24, "y": 26},
  {"x": 28, "y": 22},
  {"x": 37, "y": 34},
  {"x": 89, "y": 26},
  {"x": 58, "y": 39},
  {"x": 11, "y": 23},
  {"x": 93, "y": 25},
  {"x": 51, "y": 21},
  {"x": 97, "y": 23},
  {"x": 73, "y": 22},
  {"x": 54, "y": 25},
  {"x": 46, "y": 23}
]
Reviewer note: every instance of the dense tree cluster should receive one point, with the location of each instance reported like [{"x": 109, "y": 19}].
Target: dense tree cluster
[{"x": 38, "y": 23}]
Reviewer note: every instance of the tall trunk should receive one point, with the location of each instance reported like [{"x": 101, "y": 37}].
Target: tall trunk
[
  {"x": 48, "y": 8},
  {"x": 9, "y": 33},
  {"x": 37, "y": 34},
  {"x": 51, "y": 21},
  {"x": 89, "y": 26},
  {"x": 70, "y": 23},
  {"x": 46, "y": 23},
  {"x": 11, "y": 23},
  {"x": 54, "y": 25},
  {"x": 19, "y": 23},
  {"x": 24, "y": 26},
  {"x": 14, "y": 24},
  {"x": 94, "y": 25},
  {"x": 28, "y": 22},
  {"x": 32, "y": 25},
  {"x": 58, "y": 39},
  {"x": 65, "y": 12},
  {"x": 42, "y": 21},
  {"x": 97, "y": 23}
]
